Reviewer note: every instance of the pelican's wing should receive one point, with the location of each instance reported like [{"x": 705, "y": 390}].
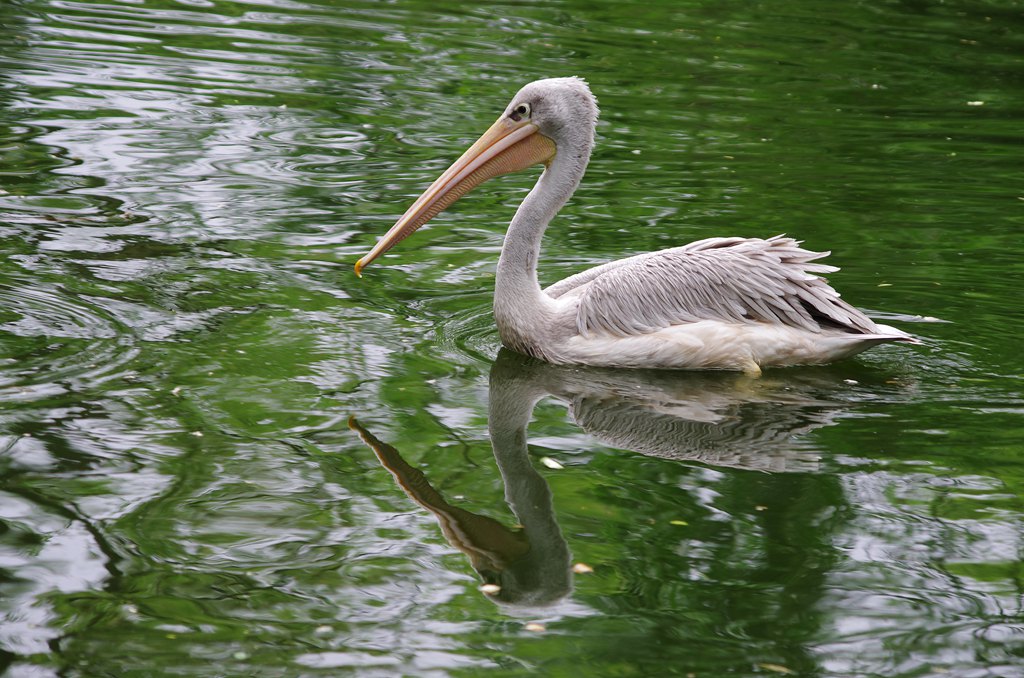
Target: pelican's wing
[
  {"x": 726, "y": 279},
  {"x": 583, "y": 277}
]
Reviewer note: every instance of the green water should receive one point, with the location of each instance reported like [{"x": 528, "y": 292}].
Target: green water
[{"x": 184, "y": 187}]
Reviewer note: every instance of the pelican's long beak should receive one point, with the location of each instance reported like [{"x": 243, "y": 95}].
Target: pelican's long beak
[{"x": 508, "y": 146}]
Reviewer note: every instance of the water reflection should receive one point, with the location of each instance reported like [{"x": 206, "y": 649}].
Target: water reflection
[
  {"x": 719, "y": 419},
  {"x": 530, "y": 563},
  {"x": 714, "y": 418}
]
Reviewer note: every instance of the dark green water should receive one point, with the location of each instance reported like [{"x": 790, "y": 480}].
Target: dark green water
[{"x": 184, "y": 187}]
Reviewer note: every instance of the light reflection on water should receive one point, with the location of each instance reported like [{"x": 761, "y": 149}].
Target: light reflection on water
[{"x": 184, "y": 187}]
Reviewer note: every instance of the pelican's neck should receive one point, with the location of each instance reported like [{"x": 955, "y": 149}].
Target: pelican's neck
[{"x": 521, "y": 309}]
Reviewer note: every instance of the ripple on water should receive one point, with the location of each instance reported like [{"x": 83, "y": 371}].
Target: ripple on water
[
  {"x": 56, "y": 341},
  {"x": 42, "y": 551},
  {"x": 469, "y": 332}
]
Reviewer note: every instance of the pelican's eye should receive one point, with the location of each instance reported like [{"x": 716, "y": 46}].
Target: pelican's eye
[{"x": 520, "y": 112}]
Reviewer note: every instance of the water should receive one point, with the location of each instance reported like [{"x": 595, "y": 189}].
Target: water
[{"x": 196, "y": 388}]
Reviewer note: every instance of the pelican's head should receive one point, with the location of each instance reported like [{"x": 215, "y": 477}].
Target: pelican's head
[
  {"x": 563, "y": 109},
  {"x": 543, "y": 118}
]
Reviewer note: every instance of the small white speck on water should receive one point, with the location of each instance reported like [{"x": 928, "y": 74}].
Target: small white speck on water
[
  {"x": 197, "y": 434},
  {"x": 240, "y": 656},
  {"x": 490, "y": 589},
  {"x": 851, "y": 382},
  {"x": 582, "y": 568},
  {"x": 975, "y": 103},
  {"x": 551, "y": 463},
  {"x": 535, "y": 627},
  {"x": 176, "y": 390}
]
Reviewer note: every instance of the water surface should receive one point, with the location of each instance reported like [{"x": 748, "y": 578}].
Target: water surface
[{"x": 223, "y": 454}]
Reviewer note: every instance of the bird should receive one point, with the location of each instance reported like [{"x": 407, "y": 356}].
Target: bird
[{"x": 729, "y": 303}]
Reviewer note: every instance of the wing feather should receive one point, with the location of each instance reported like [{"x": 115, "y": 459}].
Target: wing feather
[{"x": 728, "y": 279}]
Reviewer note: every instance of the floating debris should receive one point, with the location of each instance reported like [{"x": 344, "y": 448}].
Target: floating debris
[
  {"x": 551, "y": 463},
  {"x": 851, "y": 382},
  {"x": 975, "y": 103},
  {"x": 582, "y": 568},
  {"x": 760, "y": 507},
  {"x": 535, "y": 626},
  {"x": 778, "y": 668},
  {"x": 323, "y": 630},
  {"x": 176, "y": 390},
  {"x": 885, "y": 284},
  {"x": 197, "y": 434},
  {"x": 678, "y": 522},
  {"x": 490, "y": 589}
]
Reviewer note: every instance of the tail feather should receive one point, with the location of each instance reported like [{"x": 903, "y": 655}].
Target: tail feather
[{"x": 888, "y": 333}]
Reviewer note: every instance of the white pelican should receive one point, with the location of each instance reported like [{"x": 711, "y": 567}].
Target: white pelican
[{"x": 725, "y": 303}]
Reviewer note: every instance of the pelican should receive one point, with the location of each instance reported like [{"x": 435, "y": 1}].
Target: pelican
[{"x": 719, "y": 303}]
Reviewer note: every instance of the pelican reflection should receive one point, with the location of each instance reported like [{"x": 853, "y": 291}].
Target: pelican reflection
[
  {"x": 719, "y": 419},
  {"x": 529, "y": 563}
]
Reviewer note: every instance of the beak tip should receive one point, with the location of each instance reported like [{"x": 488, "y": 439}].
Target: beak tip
[{"x": 359, "y": 268}]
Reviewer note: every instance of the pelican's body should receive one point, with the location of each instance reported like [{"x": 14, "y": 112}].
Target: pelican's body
[{"x": 720, "y": 303}]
